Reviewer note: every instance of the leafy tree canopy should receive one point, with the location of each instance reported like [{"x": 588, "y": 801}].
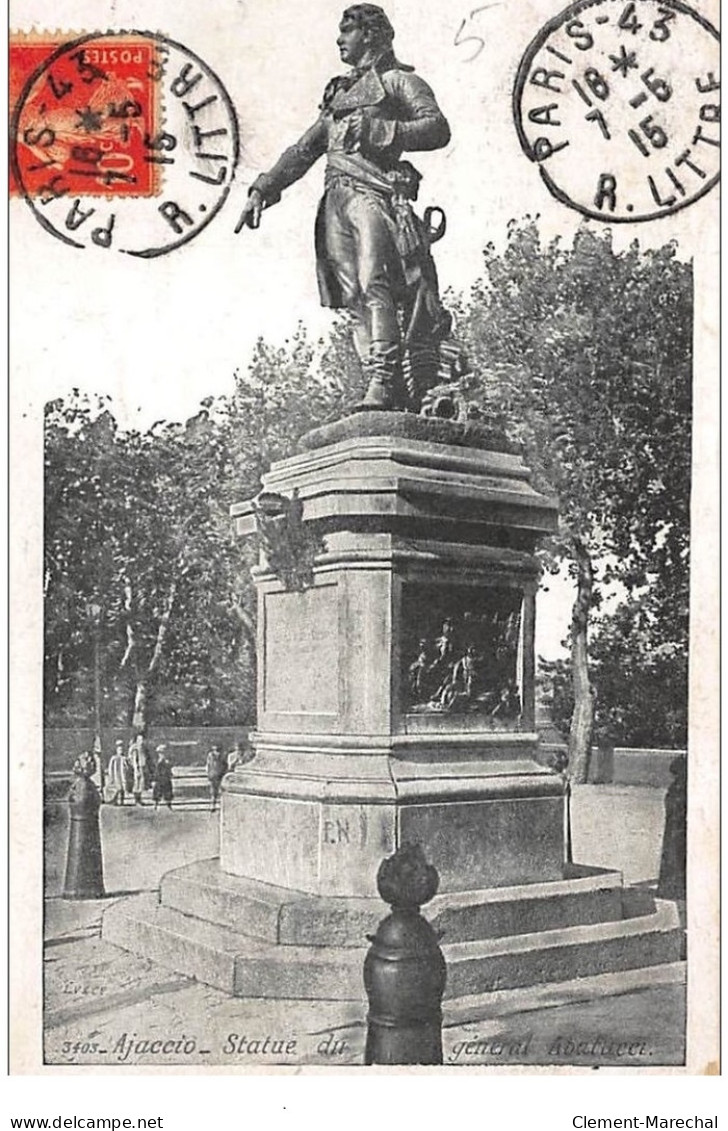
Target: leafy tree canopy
[{"x": 585, "y": 354}]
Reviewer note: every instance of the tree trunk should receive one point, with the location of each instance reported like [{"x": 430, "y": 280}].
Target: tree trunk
[
  {"x": 583, "y": 717},
  {"x": 139, "y": 713},
  {"x": 98, "y": 690},
  {"x": 163, "y": 628},
  {"x": 247, "y": 623}
]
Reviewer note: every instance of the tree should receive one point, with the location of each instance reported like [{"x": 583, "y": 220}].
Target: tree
[
  {"x": 638, "y": 660},
  {"x": 139, "y": 543},
  {"x": 175, "y": 558},
  {"x": 585, "y": 355},
  {"x": 80, "y": 436},
  {"x": 285, "y": 392},
  {"x": 135, "y": 526},
  {"x": 640, "y": 664}
]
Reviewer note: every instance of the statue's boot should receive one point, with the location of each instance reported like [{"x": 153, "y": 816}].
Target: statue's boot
[
  {"x": 385, "y": 386},
  {"x": 420, "y": 370},
  {"x": 378, "y": 395}
]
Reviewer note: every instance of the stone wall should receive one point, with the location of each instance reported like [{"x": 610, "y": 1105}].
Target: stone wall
[{"x": 621, "y": 765}]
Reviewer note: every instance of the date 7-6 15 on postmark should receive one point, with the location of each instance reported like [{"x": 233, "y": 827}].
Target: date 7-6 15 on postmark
[{"x": 619, "y": 106}]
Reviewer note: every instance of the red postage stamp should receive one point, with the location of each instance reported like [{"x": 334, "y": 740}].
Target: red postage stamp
[
  {"x": 85, "y": 112},
  {"x": 123, "y": 140}
]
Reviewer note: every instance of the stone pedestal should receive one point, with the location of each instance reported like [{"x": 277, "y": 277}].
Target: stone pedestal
[
  {"x": 395, "y": 704},
  {"x": 396, "y": 678}
]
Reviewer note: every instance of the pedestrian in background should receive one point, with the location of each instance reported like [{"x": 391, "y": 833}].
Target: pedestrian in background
[
  {"x": 216, "y": 768},
  {"x": 137, "y": 767},
  {"x": 85, "y": 764},
  {"x": 162, "y": 790},
  {"x": 128, "y": 771},
  {"x": 147, "y": 762},
  {"x": 116, "y": 777},
  {"x": 97, "y": 776},
  {"x": 238, "y": 756}
]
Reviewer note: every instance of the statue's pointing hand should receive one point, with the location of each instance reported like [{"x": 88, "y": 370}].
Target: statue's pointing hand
[{"x": 250, "y": 216}]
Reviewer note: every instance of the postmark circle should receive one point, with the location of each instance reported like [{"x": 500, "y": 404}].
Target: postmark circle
[
  {"x": 618, "y": 104},
  {"x": 124, "y": 141}
]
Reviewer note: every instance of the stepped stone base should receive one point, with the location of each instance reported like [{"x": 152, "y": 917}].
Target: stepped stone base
[
  {"x": 259, "y": 941},
  {"x": 289, "y": 918}
]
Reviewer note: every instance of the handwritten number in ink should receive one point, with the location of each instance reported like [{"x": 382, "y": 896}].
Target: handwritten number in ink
[{"x": 460, "y": 39}]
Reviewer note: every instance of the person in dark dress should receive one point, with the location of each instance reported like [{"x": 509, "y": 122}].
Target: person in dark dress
[
  {"x": 162, "y": 790},
  {"x": 216, "y": 767}
]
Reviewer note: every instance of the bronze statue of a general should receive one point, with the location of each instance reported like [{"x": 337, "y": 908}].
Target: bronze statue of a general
[{"x": 373, "y": 251}]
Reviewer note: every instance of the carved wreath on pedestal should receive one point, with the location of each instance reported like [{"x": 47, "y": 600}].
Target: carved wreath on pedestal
[{"x": 289, "y": 546}]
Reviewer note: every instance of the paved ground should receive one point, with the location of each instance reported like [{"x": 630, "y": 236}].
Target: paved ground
[{"x": 102, "y": 1003}]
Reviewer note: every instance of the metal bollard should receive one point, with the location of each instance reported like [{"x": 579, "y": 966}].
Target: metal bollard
[
  {"x": 84, "y": 862},
  {"x": 404, "y": 970}
]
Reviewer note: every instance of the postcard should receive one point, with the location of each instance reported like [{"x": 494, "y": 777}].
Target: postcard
[{"x": 364, "y": 466}]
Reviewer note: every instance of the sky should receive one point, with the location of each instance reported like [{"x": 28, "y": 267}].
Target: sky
[{"x": 159, "y": 335}]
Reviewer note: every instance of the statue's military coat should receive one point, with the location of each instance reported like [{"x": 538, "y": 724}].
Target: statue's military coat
[{"x": 400, "y": 115}]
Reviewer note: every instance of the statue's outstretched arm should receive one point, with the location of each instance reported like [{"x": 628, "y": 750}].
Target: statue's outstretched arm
[{"x": 290, "y": 167}]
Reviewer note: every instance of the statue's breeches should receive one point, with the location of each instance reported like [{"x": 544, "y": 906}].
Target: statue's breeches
[{"x": 362, "y": 256}]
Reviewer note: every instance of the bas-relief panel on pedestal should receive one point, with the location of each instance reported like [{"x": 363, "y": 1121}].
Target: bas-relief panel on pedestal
[{"x": 460, "y": 648}]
